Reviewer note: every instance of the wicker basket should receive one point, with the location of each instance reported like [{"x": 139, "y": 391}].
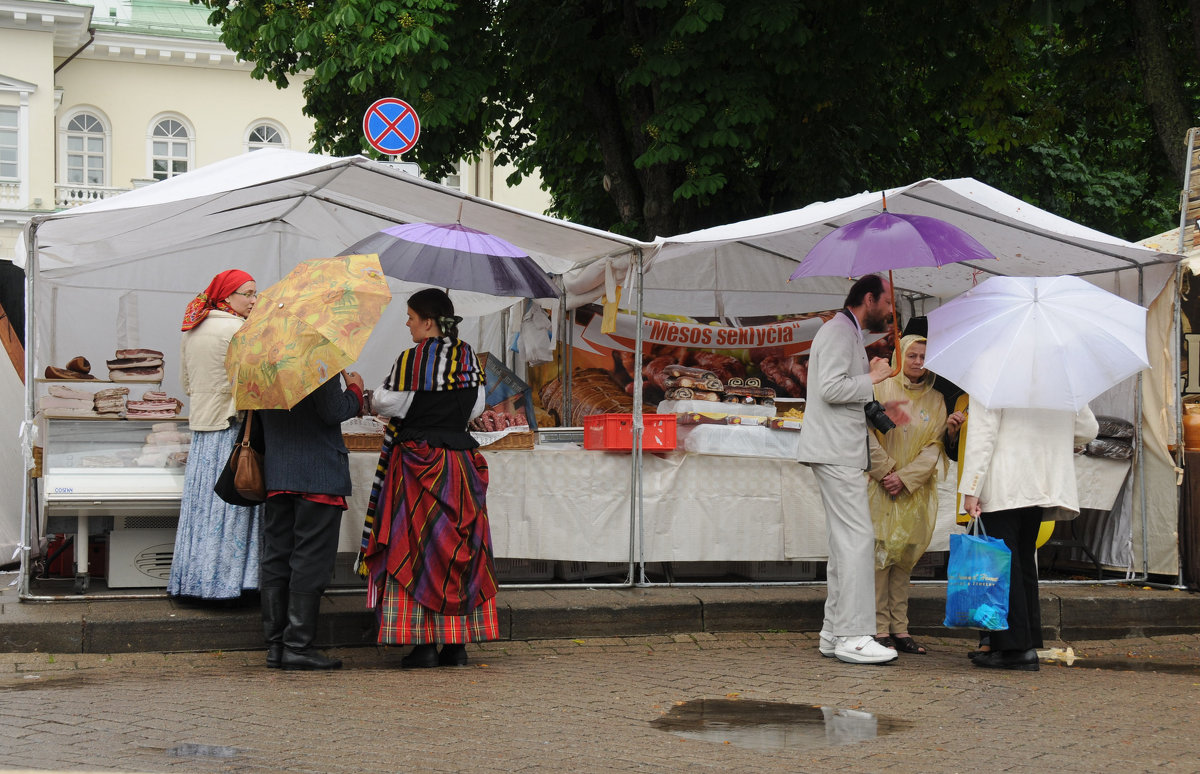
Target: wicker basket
[
  {"x": 512, "y": 441},
  {"x": 365, "y": 442},
  {"x": 36, "y": 470}
]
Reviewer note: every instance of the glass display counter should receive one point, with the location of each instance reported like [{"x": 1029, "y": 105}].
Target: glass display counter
[{"x": 98, "y": 466}]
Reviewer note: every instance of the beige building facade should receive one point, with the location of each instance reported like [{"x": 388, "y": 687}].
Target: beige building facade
[{"x": 100, "y": 98}]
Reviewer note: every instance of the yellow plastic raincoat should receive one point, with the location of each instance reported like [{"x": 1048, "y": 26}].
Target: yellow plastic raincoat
[{"x": 904, "y": 523}]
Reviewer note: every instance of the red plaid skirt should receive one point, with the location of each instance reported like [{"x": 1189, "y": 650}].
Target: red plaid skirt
[{"x": 404, "y": 621}]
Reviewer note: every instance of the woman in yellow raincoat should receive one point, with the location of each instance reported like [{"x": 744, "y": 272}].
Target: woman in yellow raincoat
[{"x": 903, "y": 487}]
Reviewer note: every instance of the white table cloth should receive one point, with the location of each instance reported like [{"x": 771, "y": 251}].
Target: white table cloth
[{"x": 563, "y": 502}]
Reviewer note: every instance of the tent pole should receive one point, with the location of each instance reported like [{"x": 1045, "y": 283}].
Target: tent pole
[
  {"x": 637, "y": 545},
  {"x": 1141, "y": 444},
  {"x": 1177, "y": 353},
  {"x": 27, "y": 429},
  {"x": 566, "y": 338}
]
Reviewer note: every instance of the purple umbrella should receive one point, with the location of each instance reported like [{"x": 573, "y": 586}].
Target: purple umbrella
[
  {"x": 887, "y": 241},
  {"x": 452, "y": 256}
]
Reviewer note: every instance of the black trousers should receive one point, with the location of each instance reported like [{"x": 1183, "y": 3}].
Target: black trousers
[
  {"x": 299, "y": 545},
  {"x": 1018, "y": 528}
]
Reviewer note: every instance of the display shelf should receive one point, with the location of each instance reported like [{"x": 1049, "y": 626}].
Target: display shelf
[
  {"x": 110, "y": 418},
  {"x": 44, "y": 380}
]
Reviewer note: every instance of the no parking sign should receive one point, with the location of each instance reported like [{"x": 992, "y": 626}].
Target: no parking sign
[{"x": 391, "y": 126}]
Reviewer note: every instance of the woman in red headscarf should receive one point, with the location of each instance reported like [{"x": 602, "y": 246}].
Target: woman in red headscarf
[{"x": 216, "y": 545}]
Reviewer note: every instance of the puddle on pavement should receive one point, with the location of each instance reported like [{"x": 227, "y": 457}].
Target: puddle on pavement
[
  {"x": 1131, "y": 665},
  {"x": 765, "y": 725},
  {"x": 46, "y": 682},
  {"x": 202, "y": 751}
]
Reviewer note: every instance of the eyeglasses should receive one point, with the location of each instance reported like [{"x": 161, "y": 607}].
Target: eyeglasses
[{"x": 251, "y": 294}]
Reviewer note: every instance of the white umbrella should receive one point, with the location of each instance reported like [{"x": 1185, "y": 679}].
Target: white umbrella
[{"x": 1037, "y": 342}]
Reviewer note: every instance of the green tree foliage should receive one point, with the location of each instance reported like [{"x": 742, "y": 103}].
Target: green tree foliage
[{"x": 652, "y": 117}]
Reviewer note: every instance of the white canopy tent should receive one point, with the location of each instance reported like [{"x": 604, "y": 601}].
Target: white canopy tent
[
  {"x": 742, "y": 269},
  {"x": 117, "y": 273}
]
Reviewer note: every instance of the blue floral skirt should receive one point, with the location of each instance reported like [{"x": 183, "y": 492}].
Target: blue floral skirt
[{"x": 217, "y": 544}]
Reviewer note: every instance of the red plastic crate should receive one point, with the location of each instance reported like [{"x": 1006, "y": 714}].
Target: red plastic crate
[{"x": 614, "y": 432}]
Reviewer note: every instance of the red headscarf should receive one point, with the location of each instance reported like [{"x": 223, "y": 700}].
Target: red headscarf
[{"x": 213, "y": 297}]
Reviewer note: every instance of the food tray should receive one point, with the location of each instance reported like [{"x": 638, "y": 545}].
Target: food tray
[
  {"x": 363, "y": 442},
  {"x": 512, "y": 441},
  {"x": 614, "y": 432}
]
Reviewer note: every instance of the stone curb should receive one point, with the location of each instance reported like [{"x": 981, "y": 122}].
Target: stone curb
[{"x": 1091, "y": 612}]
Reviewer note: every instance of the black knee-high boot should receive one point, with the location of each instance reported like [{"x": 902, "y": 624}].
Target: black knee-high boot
[
  {"x": 274, "y": 616},
  {"x": 298, "y": 650}
]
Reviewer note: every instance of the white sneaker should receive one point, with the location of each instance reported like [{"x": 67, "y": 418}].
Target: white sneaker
[
  {"x": 827, "y": 644},
  {"x": 862, "y": 649}
]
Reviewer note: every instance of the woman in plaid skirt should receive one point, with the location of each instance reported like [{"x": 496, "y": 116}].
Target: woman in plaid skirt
[{"x": 427, "y": 544}]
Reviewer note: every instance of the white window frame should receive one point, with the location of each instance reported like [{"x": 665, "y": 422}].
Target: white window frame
[
  {"x": 15, "y": 110},
  {"x": 285, "y": 141},
  {"x": 64, "y": 152},
  {"x": 15, "y": 191},
  {"x": 150, "y": 139}
]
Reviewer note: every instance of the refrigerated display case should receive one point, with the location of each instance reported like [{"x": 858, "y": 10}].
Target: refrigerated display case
[{"x": 119, "y": 467}]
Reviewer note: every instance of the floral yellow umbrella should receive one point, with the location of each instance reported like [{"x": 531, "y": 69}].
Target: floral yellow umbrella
[{"x": 305, "y": 329}]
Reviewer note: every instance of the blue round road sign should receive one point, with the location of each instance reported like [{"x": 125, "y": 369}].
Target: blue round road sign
[{"x": 391, "y": 126}]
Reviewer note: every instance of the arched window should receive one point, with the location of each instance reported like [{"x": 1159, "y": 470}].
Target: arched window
[
  {"x": 265, "y": 135},
  {"x": 170, "y": 149},
  {"x": 86, "y": 151}
]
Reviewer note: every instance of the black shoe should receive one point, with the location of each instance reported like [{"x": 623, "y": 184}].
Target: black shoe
[
  {"x": 453, "y": 655},
  {"x": 307, "y": 660},
  {"x": 275, "y": 656},
  {"x": 1024, "y": 660},
  {"x": 421, "y": 657}
]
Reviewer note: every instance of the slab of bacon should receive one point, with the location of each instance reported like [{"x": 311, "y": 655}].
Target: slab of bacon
[
  {"x": 52, "y": 404},
  {"x": 111, "y": 400},
  {"x": 128, "y": 353},
  {"x": 153, "y": 409},
  {"x": 136, "y": 374},
  {"x": 135, "y": 365}
]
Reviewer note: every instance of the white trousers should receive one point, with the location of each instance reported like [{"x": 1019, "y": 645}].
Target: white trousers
[{"x": 850, "y": 572}]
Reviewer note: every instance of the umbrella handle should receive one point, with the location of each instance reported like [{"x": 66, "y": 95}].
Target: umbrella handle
[
  {"x": 896, "y": 345},
  {"x": 895, "y": 317}
]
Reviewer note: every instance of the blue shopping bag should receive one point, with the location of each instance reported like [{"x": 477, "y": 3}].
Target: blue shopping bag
[{"x": 977, "y": 581}]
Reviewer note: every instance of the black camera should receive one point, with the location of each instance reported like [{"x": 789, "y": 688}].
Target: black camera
[{"x": 878, "y": 417}]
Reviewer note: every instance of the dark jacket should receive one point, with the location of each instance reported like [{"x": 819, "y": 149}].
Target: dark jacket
[{"x": 304, "y": 447}]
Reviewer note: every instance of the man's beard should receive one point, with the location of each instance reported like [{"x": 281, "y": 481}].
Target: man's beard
[{"x": 876, "y": 320}]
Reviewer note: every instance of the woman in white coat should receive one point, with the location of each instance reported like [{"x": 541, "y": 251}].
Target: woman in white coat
[
  {"x": 1017, "y": 462},
  {"x": 217, "y": 544}
]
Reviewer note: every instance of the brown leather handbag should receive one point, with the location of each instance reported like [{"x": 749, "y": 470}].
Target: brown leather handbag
[{"x": 244, "y": 481}]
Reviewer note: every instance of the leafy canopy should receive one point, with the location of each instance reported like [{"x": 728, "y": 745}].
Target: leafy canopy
[{"x": 652, "y": 117}]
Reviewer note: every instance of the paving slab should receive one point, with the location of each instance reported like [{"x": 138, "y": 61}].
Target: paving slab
[{"x": 689, "y": 701}]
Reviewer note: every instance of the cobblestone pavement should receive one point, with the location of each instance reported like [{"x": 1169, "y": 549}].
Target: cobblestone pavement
[{"x": 590, "y": 706}]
